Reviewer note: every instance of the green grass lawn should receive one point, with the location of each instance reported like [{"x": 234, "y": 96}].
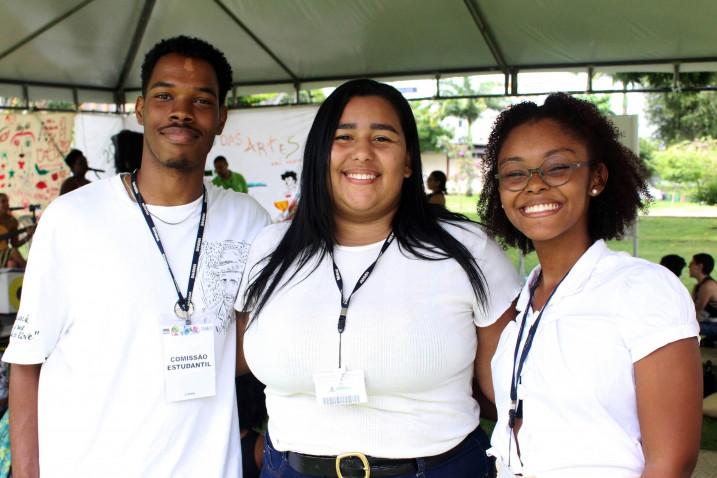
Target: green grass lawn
[{"x": 657, "y": 236}]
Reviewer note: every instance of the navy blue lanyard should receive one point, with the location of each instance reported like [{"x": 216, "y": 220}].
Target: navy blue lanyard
[
  {"x": 515, "y": 409},
  {"x": 345, "y": 301},
  {"x": 184, "y": 304}
]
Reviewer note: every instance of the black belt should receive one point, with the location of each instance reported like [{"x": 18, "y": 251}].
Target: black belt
[{"x": 352, "y": 465}]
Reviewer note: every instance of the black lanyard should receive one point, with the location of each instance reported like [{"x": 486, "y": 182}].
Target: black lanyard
[
  {"x": 516, "y": 409},
  {"x": 184, "y": 307},
  {"x": 361, "y": 281}
]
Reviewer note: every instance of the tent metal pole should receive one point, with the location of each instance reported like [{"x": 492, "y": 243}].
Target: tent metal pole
[
  {"x": 44, "y": 28},
  {"x": 676, "y": 83},
  {"x": 488, "y": 36},
  {"x": 258, "y": 41},
  {"x": 134, "y": 44},
  {"x": 76, "y": 99},
  {"x": 591, "y": 73},
  {"x": 26, "y": 96}
]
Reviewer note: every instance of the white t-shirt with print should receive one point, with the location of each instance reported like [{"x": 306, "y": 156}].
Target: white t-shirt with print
[
  {"x": 94, "y": 295},
  {"x": 578, "y": 384},
  {"x": 411, "y": 328}
]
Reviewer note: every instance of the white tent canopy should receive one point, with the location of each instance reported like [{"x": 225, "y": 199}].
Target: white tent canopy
[{"x": 91, "y": 50}]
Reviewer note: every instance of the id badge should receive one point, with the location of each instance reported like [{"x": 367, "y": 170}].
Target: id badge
[
  {"x": 340, "y": 387},
  {"x": 189, "y": 367}
]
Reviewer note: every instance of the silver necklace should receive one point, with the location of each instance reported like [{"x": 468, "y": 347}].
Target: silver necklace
[
  {"x": 124, "y": 183},
  {"x": 170, "y": 223}
]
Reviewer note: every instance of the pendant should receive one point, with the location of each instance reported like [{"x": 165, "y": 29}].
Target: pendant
[{"x": 181, "y": 313}]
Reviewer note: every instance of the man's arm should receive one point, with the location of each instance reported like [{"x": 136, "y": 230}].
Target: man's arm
[
  {"x": 242, "y": 318},
  {"x": 24, "y": 380}
]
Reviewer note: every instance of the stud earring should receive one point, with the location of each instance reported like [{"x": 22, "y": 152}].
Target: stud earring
[{"x": 594, "y": 192}]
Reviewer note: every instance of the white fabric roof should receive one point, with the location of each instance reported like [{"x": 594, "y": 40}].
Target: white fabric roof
[{"x": 97, "y": 46}]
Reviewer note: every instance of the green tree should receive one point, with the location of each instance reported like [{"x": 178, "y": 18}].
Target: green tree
[
  {"x": 468, "y": 109},
  {"x": 678, "y": 115},
  {"x": 432, "y": 135},
  {"x": 648, "y": 148},
  {"x": 689, "y": 167}
]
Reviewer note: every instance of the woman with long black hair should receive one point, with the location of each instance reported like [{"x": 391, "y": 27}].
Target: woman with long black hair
[{"x": 364, "y": 308}]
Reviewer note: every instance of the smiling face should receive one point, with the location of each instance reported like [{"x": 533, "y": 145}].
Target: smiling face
[
  {"x": 180, "y": 113},
  {"x": 369, "y": 161},
  {"x": 541, "y": 212}
]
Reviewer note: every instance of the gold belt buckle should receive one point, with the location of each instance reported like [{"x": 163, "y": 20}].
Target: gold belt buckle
[{"x": 360, "y": 456}]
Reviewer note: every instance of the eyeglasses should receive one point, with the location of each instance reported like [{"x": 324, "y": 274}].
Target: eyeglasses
[{"x": 554, "y": 172}]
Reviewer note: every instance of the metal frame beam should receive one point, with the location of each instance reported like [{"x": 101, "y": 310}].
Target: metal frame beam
[
  {"x": 44, "y": 28},
  {"x": 480, "y": 20},
  {"x": 443, "y": 73},
  {"x": 257, "y": 40},
  {"x": 136, "y": 41}
]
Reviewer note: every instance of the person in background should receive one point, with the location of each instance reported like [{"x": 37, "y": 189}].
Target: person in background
[
  {"x": 436, "y": 183},
  {"x": 78, "y": 164},
  {"x": 599, "y": 375},
  {"x": 674, "y": 263},
  {"x": 226, "y": 178},
  {"x": 10, "y": 256},
  {"x": 704, "y": 293},
  {"x": 371, "y": 312}
]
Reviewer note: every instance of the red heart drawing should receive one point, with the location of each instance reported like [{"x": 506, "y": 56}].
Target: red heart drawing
[
  {"x": 41, "y": 185},
  {"x": 21, "y": 164},
  {"x": 54, "y": 176}
]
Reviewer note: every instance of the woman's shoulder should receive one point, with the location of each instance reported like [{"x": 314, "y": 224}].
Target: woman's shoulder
[
  {"x": 268, "y": 238},
  {"x": 465, "y": 231},
  {"x": 643, "y": 289}
]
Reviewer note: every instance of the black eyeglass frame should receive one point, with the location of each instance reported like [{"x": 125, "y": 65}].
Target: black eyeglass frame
[{"x": 539, "y": 170}]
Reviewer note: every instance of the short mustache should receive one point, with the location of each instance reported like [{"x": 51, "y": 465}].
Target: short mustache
[{"x": 181, "y": 125}]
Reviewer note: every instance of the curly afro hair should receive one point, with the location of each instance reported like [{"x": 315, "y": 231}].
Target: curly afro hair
[
  {"x": 192, "y": 48},
  {"x": 610, "y": 213}
]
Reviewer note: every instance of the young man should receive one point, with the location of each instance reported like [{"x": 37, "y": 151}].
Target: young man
[
  {"x": 226, "y": 178},
  {"x": 705, "y": 292},
  {"x": 121, "y": 365}
]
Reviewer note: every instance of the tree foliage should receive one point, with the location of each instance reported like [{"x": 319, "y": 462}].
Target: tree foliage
[
  {"x": 432, "y": 135},
  {"x": 467, "y": 108},
  {"x": 691, "y": 167},
  {"x": 678, "y": 115}
]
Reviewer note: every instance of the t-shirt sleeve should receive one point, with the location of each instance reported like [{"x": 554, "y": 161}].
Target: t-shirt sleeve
[
  {"x": 262, "y": 245},
  {"x": 501, "y": 279},
  {"x": 502, "y": 282},
  {"x": 658, "y": 311},
  {"x": 42, "y": 316}
]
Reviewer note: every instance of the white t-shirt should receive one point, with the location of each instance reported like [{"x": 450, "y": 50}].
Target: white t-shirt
[
  {"x": 95, "y": 292},
  {"x": 410, "y": 328},
  {"x": 578, "y": 385}
]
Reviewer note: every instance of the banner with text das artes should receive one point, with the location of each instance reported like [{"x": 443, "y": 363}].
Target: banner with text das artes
[
  {"x": 266, "y": 146},
  {"x": 32, "y": 151}
]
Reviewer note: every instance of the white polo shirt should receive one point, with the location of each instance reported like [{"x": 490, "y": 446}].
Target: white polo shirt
[{"x": 578, "y": 385}]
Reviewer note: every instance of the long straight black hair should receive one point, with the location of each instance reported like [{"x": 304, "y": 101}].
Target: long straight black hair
[{"x": 312, "y": 234}]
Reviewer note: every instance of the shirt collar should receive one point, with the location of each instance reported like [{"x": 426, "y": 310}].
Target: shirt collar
[{"x": 576, "y": 278}]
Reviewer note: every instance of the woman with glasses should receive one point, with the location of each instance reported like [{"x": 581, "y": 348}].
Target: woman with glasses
[
  {"x": 599, "y": 374},
  {"x": 364, "y": 308}
]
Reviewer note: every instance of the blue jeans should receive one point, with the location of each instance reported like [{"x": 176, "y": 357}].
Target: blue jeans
[{"x": 470, "y": 461}]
